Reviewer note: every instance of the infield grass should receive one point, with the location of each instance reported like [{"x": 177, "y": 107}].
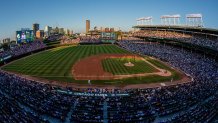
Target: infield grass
[{"x": 116, "y": 66}]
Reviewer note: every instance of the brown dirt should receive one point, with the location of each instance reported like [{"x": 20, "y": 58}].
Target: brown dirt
[{"x": 90, "y": 68}]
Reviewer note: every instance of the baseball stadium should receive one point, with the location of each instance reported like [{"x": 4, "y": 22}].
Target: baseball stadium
[{"x": 158, "y": 73}]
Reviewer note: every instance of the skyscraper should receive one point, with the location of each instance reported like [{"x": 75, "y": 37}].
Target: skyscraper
[
  {"x": 87, "y": 26},
  {"x": 107, "y": 29},
  {"x": 111, "y": 29},
  {"x": 47, "y": 30},
  {"x": 61, "y": 31},
  {"x": 40, "y": 34},
  {"x": 35, "y": 28}
]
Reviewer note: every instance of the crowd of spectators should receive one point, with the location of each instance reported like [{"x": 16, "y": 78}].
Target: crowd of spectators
[
  {"x": 80, "y": 39},
  {"x": 148, "y": 105},
  {"x": 160, "y": 34},
  {"x": 196, "y": 101},
  {"x": 22, "y": 49},
  {"x": 37, "y": 96},
  {"x": 54, "y": 37},
  {"x": 26, "y": 48},
  {"x": 10, "y": 111},
  {"x": 196, "y": 39},
  {"x": 68, "y": 40},
  {"x": 202, "y": 113},
  {"x": 5, "y": 54},
  {"x": 88, "y": 109},
  {"x": 90, "y": 39},
  {"x": 133, "y": 108}
]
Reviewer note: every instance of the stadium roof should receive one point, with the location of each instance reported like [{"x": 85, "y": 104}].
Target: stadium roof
[
  {"x": 181, "y": 28},
  {"x": 170, "y": 16}
]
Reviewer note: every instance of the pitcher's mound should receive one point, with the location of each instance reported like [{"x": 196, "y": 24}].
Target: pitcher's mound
[{"x": 129, "y": 64}]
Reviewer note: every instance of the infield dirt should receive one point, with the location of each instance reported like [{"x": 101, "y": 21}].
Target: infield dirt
[{"x": 91, "y": 68}]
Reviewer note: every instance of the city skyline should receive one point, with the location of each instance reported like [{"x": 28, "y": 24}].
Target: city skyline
[{"x": 72, "y": 14}]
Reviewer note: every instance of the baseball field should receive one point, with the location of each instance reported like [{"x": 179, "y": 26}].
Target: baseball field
[{"x": 102, "y": 64}]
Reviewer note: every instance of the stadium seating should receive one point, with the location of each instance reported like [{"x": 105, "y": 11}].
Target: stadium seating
[
  {"x": 179, "y": 36},
  {"x": 23, "y": 49},
  {"x": 12, "y": 112},
  {"x": 88, "y": 110}
]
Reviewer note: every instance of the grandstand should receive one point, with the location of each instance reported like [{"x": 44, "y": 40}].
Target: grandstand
[{"x": 194, "y": 38}]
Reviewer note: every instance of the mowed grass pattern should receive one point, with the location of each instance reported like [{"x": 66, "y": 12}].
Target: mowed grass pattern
[
  {"x": 57, "y": 63},
  {"x": 116, "y": 66}
]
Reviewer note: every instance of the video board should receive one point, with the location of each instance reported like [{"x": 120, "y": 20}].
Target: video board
[
  {"x": 108, "y": 37},
  {"x": 25, "y": 36}
]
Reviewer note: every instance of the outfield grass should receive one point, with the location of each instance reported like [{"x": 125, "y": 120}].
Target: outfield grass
[
  {"x": 116, "y": 66},
  {"x": 57, "y": 63}
]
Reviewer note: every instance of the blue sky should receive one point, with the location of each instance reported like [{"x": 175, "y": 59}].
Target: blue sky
[{"x": 16, "y": 14}]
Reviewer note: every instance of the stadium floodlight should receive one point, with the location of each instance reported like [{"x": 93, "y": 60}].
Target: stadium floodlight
[
  {"x": 148, "y": 20},
  {"x": 138, "y": 21},
  {"x": 195, "y": 20},
  {"x": 194, "y": 15},
  {"x": 165, "y": 16},
  {"x": 144, "y": 21},
  {"x": 170, "y": 19},
  {"x": 176, "y": 16}
]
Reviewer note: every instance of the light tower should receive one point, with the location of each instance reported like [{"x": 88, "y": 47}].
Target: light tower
[
  {"x": 195, "y": 20},
  {"x": 138, "y": 21},
  {"x": 144, "y": 21},
  {"x": 170, "y": 19},
  {"x": 148, "y": 20}
]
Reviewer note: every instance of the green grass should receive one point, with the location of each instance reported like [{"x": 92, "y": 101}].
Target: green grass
[
  {"x": 57, "y": 63},
  {"x": 116, "y": 66},
  {"x": 175, "y": 75}
]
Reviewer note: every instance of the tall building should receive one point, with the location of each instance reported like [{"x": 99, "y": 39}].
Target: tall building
[
  {"x": 111, "y": 29},
  {"x": 47, "y": 30},
  {"x": 68, "y": 32},
  {"x": 56, "y": 30},
  {"x": 87, "y": 26},
  {"x": 61, "y": 31},
  {"x": 35, "y": 28},
  {"x": 107, "y": 29},
  {"x": 71, "y": 32},
  {"x": 102, "y": 29},
  {"x": 40, "y": 34}
]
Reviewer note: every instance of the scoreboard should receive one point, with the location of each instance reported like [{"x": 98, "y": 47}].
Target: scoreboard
[
  {"x": 108, "y": 37},
  {"x": 25, "y": 36}
]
